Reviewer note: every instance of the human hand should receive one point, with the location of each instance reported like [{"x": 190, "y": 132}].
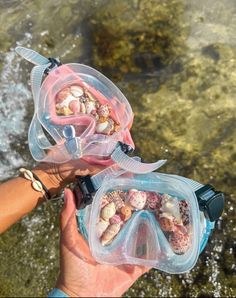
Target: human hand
[
  {"x": 80, "y": 275},
  {"x": 57, "y": 176}
]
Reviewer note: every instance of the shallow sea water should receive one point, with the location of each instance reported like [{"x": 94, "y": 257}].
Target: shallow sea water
[{"x": 176, "y": 63}]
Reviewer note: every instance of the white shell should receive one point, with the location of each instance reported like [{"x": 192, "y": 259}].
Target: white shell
[
  {"x": 101, "y": 126},
  {"x": 110, "y": 127},
  {"x": 110, "y": 233},
  {"x": 90, "y": 106},
  {"x": 170, "y": 205},
  {"x": 27, "y": 174},
  {"x": 37, "y": 185},
  {"x": 108, "y": 211},
  {"x": 101, "y": 227},
  {"x": 65, "y": 103},
  {"x": 76, "y": 91}
]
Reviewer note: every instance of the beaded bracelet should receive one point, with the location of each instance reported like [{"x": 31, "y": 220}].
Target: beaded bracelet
[{"x": 36, "y": 182}]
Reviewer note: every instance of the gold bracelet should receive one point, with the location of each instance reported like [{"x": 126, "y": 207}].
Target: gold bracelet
[{"x": 36, "y": 185}]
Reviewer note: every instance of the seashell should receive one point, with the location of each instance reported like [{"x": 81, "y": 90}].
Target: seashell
[
  {"x": 171, "y": 205},
  {"x": 110, "y": 233},
  {"x": 116, "y": 219},
  {"x": 104, "y": 201},
  {"x": 108, "y": 211},
  {"x": 90, "y": 107},
  {"x": 101, "y": 226},
  {"x": 62, "y": 94},
  {"x": 100, "y": 127},
  {"x": 125, "y": 212},
  {"x": 110, "y": 127},
  {"x": 74, "y": 106},
  {"x": 27, "y": 174},
  {"x": 76, "y": 91},
  {"x": 104, "y": 111},
  {"x": 90, "y": 96},
  {"x": 153, "y": 200},
  {"x": 179, "y": 242},
  {"x": 82, "y": 108},
  {"x": 167, "y": 222},
  {"x": 65, "y": 111},
  {"x": 137, "y": 199},
  {"x": 117, "y": 197},
  {"x": 37, "y": 185},
  {"x": 184, "y": 212}
]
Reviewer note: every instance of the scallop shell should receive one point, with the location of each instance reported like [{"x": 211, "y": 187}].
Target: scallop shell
[
  {"x": 101, "y": 226},
  {"x": 108, "y": 211},
  {"x": 137, "y": 199},
  {"x": 153, "y": 200},
  {"x": 110, "y": 233},
  {"x": 76, "y": 91},
  {"x": 167, "y": 222},
  {"x": 184, "y": 212},
  {"x": 117, "y": 197}
]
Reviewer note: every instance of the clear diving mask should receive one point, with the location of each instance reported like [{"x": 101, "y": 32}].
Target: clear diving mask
[
  {"x": 156, "y": 220},
  {"x": 79, "y": 113}
]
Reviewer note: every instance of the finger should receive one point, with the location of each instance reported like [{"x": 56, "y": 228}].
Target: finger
[{"x": 70, "y": 237}]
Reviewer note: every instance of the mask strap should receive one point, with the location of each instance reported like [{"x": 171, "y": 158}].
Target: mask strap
[
  {"x": 129, "y": 164},
  {"x": 37, "y": 138}
]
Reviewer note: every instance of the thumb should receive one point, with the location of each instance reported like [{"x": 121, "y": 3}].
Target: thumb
[{"x": 68, "y": 218}]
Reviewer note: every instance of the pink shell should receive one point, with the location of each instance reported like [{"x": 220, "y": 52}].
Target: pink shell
[
  {"x": 74, "y": 106},
  {"x": 104, "y": 111},
  {"x": 62, "y": 94},
  {"x": 137, "y": 199},
  {"x": 117, "y": 197},
  {"x": 115, "y": 219},
  {"x": 153, "y": 200},
  {"x": 179, "y": 242}
]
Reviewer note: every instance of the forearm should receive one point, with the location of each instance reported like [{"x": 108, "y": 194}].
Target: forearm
[{"x": 18, "y": 198}]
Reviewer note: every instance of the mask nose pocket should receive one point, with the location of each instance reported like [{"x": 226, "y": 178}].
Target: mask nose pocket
[{"x": 145, "y": 239}]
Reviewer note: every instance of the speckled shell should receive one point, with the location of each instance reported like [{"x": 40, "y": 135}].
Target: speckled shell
[
  {"x": 179, "y": 242},
  {"x": 104, "y": 111},
  {"x": 101, "y": 227},
  {"x": 108, "y": 211},
  {"x": 170, "y": 205},
  {"x": 137, "y": 199},
  {"x": 184, "y": 212},
  {"x": 117, "y": 197},
  {"x": 167, "y": 222},
  {"x": 125, "y": 212},
  {"x": 76, "y": 91},
  {"x": 153, "y": 200},
  {"x": 110, "y": 233}
]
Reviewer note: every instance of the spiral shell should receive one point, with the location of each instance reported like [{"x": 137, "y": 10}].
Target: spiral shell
[
  {"x": 108, "y": 211},
  {"x": 101, "y": 227},
  {"x": 116, "y": 219},
  {"x": 117, "y": 197},
  {"x": 110, "y": 233},
  {"x": 137, "y": 199}
]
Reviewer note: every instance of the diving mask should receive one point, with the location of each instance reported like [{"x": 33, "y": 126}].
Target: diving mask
[{"x": 156, "y": 220}]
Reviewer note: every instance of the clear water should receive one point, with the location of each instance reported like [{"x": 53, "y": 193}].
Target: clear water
[{"x": 176, "y": 63}]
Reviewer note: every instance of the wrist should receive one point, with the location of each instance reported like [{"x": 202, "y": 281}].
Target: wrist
[{"x": 50, "y": 178}]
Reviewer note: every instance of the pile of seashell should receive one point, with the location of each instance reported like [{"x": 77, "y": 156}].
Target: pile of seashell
[
  {"x": 172, "y": 215},
  {"x": 75, "y": 99}
]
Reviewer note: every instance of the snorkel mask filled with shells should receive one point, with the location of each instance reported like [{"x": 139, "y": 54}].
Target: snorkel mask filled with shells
[
  {"x": 79, "y": 113},
  {"x": 156, "y": 220}
]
